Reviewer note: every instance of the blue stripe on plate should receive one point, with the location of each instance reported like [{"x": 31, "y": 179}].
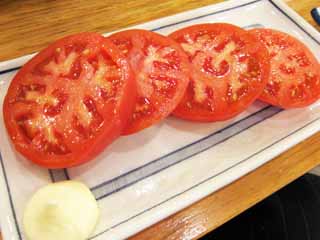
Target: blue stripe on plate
[
  {"x": 57, "y": 175},
  {"x": 109, "y": 187},
  {"x": 52, "y": 176},
  {"x": 256, "y": 25},
  {"x": 9, "y": 70},
  {"x": 10, "y": 198},
  {"x": 205, "y": 15}
]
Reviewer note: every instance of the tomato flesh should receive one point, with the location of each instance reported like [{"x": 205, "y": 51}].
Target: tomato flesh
[
  {"x": 162, "y": 74},
  {"x": 70, "y": 101},
  {"x": 229, "y": 71},
  {"x": 295, "y": 73}
]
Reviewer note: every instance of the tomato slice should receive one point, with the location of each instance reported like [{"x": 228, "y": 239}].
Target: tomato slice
[
  {"x": 70, "y": 101},
  {"x": 295, "y": 73},
  {"x": 162, "y": 74},
  {"x": 229, "y": 71}
]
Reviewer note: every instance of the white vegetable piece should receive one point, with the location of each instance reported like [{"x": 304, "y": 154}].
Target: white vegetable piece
[{"x": 65, "y": 210}]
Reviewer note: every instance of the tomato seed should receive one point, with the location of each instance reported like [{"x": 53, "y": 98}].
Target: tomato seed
[
  {"x": 287, "y": 69},
  {"x": 222, "y": 70}
]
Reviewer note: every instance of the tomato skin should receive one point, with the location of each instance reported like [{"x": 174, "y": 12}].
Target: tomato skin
[
  {"x": 295, "y": 72},
  {"x": 160, "y": 67},
  {"x": 213, "y": 79},
  {"x": 105, "y": 134}
]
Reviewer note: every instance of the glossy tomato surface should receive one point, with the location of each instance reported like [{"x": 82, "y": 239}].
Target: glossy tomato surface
[
  {"x": 69, "y": 101},
  {"x": 295, "y": 73},
  {"x": 162, "y": 74},
  {"x": 230, "y": 69}
]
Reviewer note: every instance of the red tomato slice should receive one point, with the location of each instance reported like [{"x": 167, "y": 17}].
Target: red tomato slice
[
  {"x": 229, "y": 71},
  {"x": 295, "y": 73},
  {"x": 162, "y": 75},
  {"x": 70, "y": 101}
]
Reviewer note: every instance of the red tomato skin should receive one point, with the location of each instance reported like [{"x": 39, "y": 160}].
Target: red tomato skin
[
  {"x": 105, "y": 136},
  {"x": 198, "y": 115},
  {"x": 284, "y": 103},
  {"x": 135, "y": 126}
]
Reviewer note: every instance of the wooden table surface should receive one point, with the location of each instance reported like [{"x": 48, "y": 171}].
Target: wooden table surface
[{"x": 27, "y": 26}]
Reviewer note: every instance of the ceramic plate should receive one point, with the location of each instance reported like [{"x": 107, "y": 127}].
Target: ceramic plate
[{"x": 146, "y": 177}]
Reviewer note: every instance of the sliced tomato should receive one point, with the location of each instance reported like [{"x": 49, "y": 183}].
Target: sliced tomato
[
  {"x": 70, "y": 101},
  {"x": 295, "y": 73},
  {"x": 162, "y": 74},
  {"x": 229, "y": 71}
]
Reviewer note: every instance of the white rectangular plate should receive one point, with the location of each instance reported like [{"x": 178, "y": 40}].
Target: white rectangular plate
[{"x": 146, "y": 177}]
